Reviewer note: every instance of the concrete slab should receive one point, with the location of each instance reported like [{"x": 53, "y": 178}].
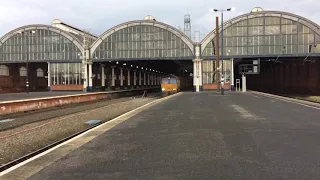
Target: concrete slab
[{"x": 200, "y": 136}]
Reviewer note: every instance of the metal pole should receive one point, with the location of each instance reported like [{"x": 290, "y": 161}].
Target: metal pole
[
  {"x": 218, "y": 54},
  {"x": 27, "y": 83},
  {"x": 222, "y": 78},
  {"x": 27, "y": 62}
]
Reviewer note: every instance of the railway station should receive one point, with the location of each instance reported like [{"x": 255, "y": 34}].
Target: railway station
[
  {"x": 137, "y": 53},
  {"x": 74, "y": 105}
]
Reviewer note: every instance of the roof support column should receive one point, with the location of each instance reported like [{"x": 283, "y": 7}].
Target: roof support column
[
  {"x": 156, "y": 79},
  {"x": 113, "y": 79},
  {"x": 140, "y": 78},
  {"x": 49, "y": 76},
  {"x": 103, "y": 76},
  {"x": 121, "y": 78},
  {"x": 144, "y": 79},
  {"x": 129, "y": 78},
  {"x": 159, "y": 79},
  {"x": 90, "y": 76},
  {"x": 197, "y": 70},
  {"x": 85, "y": 75},
  {"x": 197, "y": 74},
  {"x": 232, "y": 75},
  {"x": 135, "y": 78}
]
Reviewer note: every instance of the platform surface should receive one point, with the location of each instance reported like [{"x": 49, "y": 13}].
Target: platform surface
[
  {"x": 201, "y": 136},
  {"x": 35, "y": 95}
]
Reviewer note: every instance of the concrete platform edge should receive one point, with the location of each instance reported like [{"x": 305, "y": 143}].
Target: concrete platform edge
[
  {"x": 10, "y": 107},
  {"x": 287, "y": 99}
]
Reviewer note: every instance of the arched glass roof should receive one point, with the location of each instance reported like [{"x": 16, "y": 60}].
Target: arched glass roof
[
  {"x": 264, "y": 33},
  {"x": 39, "y": 43},
  {"x": 144, "y": 39}
]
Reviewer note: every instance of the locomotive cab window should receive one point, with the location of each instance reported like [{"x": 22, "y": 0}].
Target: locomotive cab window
[{"x": 165, "y": 81}]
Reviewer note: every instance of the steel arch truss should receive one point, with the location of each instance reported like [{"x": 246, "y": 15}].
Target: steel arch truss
[
  {"x": 39, "y": 43},
  {"x": 142, "y": 40},
  {"x": 207, "y": 41}
]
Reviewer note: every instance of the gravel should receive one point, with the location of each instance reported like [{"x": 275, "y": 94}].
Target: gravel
[
  {"x": 20, "y": 119},
  {"x": 38, "y": 134}
]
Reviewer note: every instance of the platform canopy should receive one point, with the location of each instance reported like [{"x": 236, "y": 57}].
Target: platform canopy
[
  {"x": 40, "y": 43},
  {"x": 265, "y": 33},
  {"x": 142, "y": 40}
]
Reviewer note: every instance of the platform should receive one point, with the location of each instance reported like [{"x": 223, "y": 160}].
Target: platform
[
  {"x": 20, "y": 102},
  {"x": 35, "y": 95},
  {"x": 193, "y": 136}
]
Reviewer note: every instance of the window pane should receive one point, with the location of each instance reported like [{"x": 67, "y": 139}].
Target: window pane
[
  {"x": 270, "y": 30},
  {"x": 317, "y": 39}
]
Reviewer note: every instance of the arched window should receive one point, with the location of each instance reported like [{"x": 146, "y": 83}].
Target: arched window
[
  {"x": 4, "y": 70},
  {"x": 40, "y": 72},
  {"x": 23, "y": 71}
]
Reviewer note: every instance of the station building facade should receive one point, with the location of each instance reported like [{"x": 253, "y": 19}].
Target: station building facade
[{"x": 62, "y": 57}]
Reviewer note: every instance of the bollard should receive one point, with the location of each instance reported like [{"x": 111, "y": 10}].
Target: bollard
[{"x": 244, "y": 83}]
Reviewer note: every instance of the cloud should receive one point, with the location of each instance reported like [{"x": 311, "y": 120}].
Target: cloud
[{"x": 100, "y": 15}]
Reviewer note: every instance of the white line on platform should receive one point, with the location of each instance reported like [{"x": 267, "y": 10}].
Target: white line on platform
[
  {"x": 294, "y": 101},
  {"x": 244, "y": 113},
  {"x": 105, "y": 126}
]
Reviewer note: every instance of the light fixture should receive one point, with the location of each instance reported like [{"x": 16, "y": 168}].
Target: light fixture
[
  {"x": 222, "y": 50},
  {"x": 109, "y": 61},
  {"x": 137, "y": 67},
  {"x": 124, "y": 64},
  {"x": 117, "y": 62},
  {"x": 131, "y": 65}
]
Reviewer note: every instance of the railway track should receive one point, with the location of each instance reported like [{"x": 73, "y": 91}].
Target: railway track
[
  {"x": 42, "y": 149},
  {"x": 21, "y": 119}
]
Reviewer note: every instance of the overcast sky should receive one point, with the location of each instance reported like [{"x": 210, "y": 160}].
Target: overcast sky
[{"x": 99, "y": 15}]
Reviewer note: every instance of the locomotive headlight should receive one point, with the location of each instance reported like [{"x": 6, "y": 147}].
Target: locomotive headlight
[
  {"x": 174, "y": 89},
  {"x": 163, "y": 89}
]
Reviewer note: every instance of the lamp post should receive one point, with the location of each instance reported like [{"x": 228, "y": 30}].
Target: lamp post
[
  {"x": 27, "y": 56},
  {"x": 222, "y": 77}
]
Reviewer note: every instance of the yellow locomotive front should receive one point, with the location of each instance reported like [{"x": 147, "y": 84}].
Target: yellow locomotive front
[{"x": 170, "y": 84}]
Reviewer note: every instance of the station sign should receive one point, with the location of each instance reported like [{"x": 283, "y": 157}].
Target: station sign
[{"x": 250, "y": 68}]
